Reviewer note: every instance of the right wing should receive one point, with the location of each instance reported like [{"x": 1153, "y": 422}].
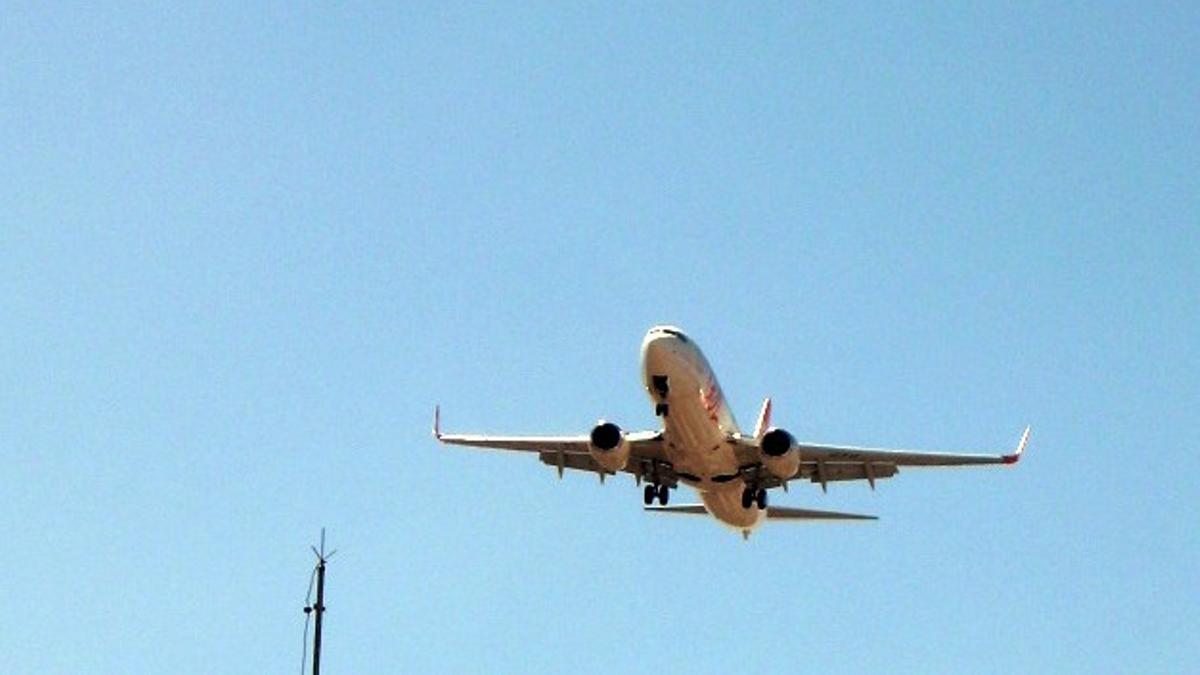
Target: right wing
[
  {"x": 827, "y": 463},
  {"x": 833, "y": 453}
]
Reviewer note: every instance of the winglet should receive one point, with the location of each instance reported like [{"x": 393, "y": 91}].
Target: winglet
[
  {"x": 1016, "y": 456},
  {"x": 764, "y": 419},
  {"x": 437, "y": 422}
]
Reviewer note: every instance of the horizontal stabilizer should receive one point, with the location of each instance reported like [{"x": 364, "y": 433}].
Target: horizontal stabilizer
[
  {"x": 773, "y": 512},
  {"x": 788, "y": 513},
  {"x": 687, "y": 509}
]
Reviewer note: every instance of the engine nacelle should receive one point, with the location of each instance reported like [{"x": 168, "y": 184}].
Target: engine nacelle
[
  {"x": 608, "y": 446},
  {"x": 780, "y": 454}
]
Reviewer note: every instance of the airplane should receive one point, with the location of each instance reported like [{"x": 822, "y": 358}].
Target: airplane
[{"x": 701, "y": 445}]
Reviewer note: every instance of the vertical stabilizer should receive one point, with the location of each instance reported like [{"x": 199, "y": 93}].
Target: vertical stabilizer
[{"x": 764, "y": 419}]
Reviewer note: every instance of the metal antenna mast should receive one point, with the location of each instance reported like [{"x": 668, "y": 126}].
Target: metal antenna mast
[{"x": 319, "y": 608}]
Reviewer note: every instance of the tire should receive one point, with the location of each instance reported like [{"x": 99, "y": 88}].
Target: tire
[
  {"x": 761, "y": 498},
  {"x": 648, "y": 495},
  {"x": 747, "y": 498},
  {"x": 664, "y": 494}
]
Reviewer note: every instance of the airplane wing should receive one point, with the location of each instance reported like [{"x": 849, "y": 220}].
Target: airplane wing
[
  {"x": 569, "y": 452},
  {"x": 832, "y": 453},
  {"x": 828, "y": 463}
]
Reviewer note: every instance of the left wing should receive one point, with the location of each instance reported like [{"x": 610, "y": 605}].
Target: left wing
[{"x": 566, "y": 452}]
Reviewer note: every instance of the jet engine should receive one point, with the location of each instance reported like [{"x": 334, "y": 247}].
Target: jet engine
[
  {"x": 779, "y": 454},
  {"x": 608, "y": 446}
]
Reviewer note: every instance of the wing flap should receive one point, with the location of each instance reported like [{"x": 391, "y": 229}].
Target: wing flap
[
  {"x": 575, "y": 462},
  {"x": 838, "y": 471}
]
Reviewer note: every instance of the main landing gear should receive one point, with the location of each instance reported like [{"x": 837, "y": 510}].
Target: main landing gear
[
  {"x": 752, "y": 496},
  {"x": 652, "y": 492}
]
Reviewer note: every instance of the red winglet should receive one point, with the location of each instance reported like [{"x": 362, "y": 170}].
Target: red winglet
[{"x": 1016, "y": 456}]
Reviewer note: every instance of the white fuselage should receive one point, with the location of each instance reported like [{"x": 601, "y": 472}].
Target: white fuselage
[{"x": 698, "y": 424}]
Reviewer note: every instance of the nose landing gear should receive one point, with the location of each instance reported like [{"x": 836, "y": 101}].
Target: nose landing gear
[{"x": 661, "y": 389}]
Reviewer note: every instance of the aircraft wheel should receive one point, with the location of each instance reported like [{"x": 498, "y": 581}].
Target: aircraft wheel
[
  {"x": 648, "y": 495},
  {"x": 664, "y": 494},
  {"x": 761, "y": 498},
  {"x": 747, "y": 498}
]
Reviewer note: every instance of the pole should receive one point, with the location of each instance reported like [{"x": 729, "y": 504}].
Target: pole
[{"x": 319, "y": 609}]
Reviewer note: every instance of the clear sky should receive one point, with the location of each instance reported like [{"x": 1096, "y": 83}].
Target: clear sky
[{"x": 246, "y": 247}]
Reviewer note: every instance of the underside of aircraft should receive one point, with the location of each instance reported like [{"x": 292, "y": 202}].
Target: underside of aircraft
[{"x": 701, "y": 445}]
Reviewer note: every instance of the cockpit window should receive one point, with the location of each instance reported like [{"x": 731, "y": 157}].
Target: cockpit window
[{"x": 672, "y": 331}]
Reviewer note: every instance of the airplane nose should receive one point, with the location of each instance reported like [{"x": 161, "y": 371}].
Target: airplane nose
[
  {"x": 654, "y": 343},
  {"x": 656, "y": 348},
  {"x": 649, "y": 348}
]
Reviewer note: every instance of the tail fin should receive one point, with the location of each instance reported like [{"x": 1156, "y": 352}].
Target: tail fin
[{"x": 764, "y": 419}]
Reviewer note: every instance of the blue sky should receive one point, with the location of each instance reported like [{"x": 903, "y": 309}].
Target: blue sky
[{"x": 246, "y": 247}]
